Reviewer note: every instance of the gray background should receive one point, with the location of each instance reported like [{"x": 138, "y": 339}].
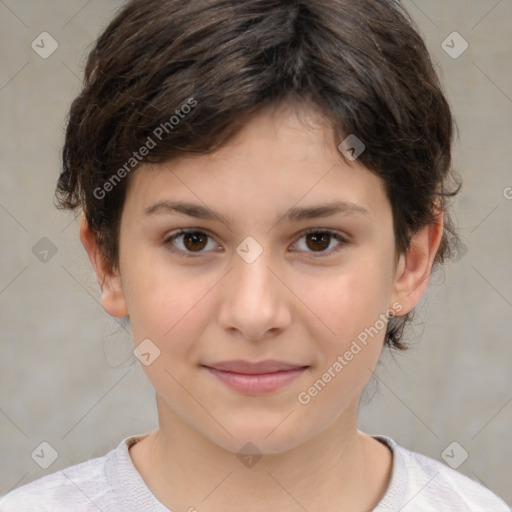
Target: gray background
[{"x": 68, "y": 375}]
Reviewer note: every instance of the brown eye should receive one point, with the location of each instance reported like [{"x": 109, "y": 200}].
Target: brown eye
[
  {"x": 315, "y": 243},
  {"x": 190, "y": 243},
  {"x": 321, "y": 242},
  {"x": 195, "y": 240},
  {"x": 318, "y": 241}
]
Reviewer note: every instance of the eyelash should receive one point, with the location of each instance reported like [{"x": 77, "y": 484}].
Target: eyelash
[{"x": 321, "y": 254}]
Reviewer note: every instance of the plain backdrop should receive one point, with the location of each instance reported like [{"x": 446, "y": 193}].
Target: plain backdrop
[{"x": 68, "y": 374}]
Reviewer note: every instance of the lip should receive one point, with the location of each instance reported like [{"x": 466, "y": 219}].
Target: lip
[
  {"x": 254, "y": 368},
  {"x": 255, "y": 378}
]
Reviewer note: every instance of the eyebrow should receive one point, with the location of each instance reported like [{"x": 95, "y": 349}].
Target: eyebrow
[{"x": 295, "y": 214}]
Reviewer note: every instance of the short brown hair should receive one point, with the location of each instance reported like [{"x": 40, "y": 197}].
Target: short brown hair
[{"x": 363, "y": 65}]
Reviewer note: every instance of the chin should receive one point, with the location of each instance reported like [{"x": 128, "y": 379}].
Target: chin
[{"x": 257, "y": 440}]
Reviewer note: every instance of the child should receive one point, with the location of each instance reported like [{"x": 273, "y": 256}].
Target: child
[{"x": 304, "y": 147}]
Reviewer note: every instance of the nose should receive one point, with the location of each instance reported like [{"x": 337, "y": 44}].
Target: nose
[{"x": 254, "y": 300}]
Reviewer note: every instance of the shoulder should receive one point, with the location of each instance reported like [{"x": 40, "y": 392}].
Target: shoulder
[
  {"x": 83, "y": 487},
  {"x": 420, "y": 483}
]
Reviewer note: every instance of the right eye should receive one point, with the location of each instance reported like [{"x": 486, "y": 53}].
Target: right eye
[{"x": 190, "y": 241}]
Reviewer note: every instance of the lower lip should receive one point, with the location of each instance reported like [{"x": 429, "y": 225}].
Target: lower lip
[{"x": 256, "y": 384}]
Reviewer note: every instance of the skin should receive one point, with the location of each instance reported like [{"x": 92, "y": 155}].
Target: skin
[{"x": 284, "y": 305}]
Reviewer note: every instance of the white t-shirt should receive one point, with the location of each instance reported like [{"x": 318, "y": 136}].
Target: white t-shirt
[{"x": 111, "y": 483}]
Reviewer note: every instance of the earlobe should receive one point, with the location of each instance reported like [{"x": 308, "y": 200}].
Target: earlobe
[
  {"x": 415, "y": 266},
  {"x": 112, "y": 294}
]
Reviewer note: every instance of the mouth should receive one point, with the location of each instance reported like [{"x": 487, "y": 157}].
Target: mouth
[
  {"x": 255, "y": 368},
  {"x": 255, "y": 378}
]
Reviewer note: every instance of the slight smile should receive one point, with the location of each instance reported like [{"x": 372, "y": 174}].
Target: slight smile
[{"x": 255, "y": 378}]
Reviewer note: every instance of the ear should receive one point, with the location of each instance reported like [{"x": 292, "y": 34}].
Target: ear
[
  {"x": 112, "y": 294},
  {"x": 415, "y": 266}
]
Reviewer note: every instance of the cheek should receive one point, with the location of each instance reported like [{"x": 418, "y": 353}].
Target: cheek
[
  {"x": 347, "y": 327},
  {"x": 172, "y": 311},
  {"x": 350, "y": 305},
  {"x": 347, "y": 302},
  {"x": 165, "y": 304}
]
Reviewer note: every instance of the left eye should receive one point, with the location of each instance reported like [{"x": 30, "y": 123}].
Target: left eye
[
  {"x": 319, "y": 241},
  {"x": 315, "y": 241}
]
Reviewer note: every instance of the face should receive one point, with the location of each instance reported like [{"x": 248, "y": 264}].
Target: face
[{"x": 276, "y": 272}]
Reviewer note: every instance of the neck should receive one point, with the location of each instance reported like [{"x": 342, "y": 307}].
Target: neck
[{"x": 339, "y": 469}]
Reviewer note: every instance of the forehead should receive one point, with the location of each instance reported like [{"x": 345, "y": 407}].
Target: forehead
[{"x": 280, "y": 159}]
